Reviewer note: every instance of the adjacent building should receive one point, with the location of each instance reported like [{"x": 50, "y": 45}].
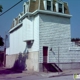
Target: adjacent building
[{"x": 41, "y": 34}]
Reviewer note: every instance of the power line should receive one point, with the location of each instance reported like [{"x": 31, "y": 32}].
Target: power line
[{"x": 11, "y": 7}]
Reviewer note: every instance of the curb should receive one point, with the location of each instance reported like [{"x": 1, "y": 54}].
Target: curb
[{"x": 49, "y": 75}]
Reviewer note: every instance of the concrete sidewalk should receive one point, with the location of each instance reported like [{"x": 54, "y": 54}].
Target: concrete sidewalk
[
  {"x": 54, "y": 74},
  {"x": 11, "y": 73},
  {"x": 57, "y": 74}
]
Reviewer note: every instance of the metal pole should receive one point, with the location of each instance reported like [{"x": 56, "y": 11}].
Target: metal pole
[{"x": 58, "y": 58}]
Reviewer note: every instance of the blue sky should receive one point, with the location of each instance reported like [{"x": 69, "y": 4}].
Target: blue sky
[{"x": 7, "y": 18}]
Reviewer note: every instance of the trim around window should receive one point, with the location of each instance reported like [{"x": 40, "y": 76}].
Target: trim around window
[
  {"x": 60, "y": 7},
  {"x": 24, "y": 9},
  {"x": 49, "y": 5}
]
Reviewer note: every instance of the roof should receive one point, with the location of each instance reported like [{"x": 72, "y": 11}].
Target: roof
[{"x": 38, "y": 5}]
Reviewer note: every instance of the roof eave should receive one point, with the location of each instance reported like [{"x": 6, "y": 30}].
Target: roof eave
[
  {"x": 15, "y": 27},
  {"x": 46, "y": 12}
]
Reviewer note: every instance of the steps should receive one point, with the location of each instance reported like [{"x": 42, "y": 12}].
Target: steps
[
  {"x": 51, "y": 67},
  {"x": 57, "y": 68}
]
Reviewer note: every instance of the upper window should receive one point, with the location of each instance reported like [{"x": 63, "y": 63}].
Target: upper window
[
  {"x": 24, "y": 9},
  {"x": 48, "y": 5},
  {"x": 14, "y": 22},
  {"x": 60, "y": 8}
]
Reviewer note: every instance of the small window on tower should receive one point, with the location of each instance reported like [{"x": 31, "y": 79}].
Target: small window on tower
[
  {"x": 48, "y": 5},
  {"x": 60, "y": 8},
  {"x": 24, "y": 9}
]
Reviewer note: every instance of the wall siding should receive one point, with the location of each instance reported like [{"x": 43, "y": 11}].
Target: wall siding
[
  {"x": 28, "y": 31},
  {"x": 35, "y": 46},
  {"x": 54, "y": 33},
  {"x": 16, "y": 42}
]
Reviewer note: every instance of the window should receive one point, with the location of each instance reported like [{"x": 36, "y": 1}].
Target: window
[
  {"x": 34, "y": 0},
  {"x": 60, "y": 8},
  {"x": 14, "y": 22},
  {"x": 48, "y": 5},
  {"x": 24, "y": 9}
]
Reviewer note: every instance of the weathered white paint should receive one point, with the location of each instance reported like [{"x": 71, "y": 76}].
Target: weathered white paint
[
  {"x": 45, "y": 4},
  {"x": 27, "y": 32},
  {"x": 74, "y": 48},
  {"x": 28, "y": 29},
  {"x": 35, "y": 46},
  {"x": 56, "y": 7},
  {"x": 48, "y": 28},
  {"x": 31, "y": 32},
  {"x": 26, "y": 4},
  {"x": 44, "y": 12},
  {"x": 16, "y": 41},
  {"x": 54, "y": 32},
  {"x": 17, "y": 26},
  {"x": 8, "y": 51},
  {"x": 51, "y": 5}
]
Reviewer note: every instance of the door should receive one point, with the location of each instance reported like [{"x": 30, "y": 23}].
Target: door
[{"x": 45, "y": 54}]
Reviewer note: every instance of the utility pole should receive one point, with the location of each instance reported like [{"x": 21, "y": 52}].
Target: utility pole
[{"x": 5, "y": 50}]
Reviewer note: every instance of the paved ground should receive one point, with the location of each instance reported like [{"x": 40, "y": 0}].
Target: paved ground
[{"x": 8, "y": 74}]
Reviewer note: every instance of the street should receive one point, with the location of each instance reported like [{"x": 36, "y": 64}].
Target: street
[
  {"x": 9, "y": 74},
  {"x": 34, "y": 77}
]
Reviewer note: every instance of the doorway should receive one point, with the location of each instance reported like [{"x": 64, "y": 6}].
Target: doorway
[{"x": 45, "y": 54}]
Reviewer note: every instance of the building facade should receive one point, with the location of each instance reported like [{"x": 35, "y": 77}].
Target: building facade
[{"x": 41, "y": 34}]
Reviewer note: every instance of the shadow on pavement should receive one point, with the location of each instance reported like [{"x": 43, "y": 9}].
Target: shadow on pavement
[{"x": 9, "y": 71}]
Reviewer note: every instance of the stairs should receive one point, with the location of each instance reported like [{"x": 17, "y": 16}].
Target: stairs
[
  {"x": 51, "y": 67},
  {"x": 56, "y": 67}
]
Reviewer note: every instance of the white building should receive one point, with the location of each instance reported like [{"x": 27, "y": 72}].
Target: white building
[{"x": 42, "y": 34}]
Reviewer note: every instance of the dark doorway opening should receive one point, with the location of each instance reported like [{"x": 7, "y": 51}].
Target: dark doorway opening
[
  {"x": 45, "y": 54},
  {"x": 49, "y": 67}
]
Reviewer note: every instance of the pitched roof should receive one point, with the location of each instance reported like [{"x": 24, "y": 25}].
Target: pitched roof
[
  {"x": 39, "y": 5},
  {"x": 34, "y": 5}
]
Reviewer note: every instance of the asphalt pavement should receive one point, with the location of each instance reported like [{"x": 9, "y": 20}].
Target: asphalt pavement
[{"x": 9, "y": 74}]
